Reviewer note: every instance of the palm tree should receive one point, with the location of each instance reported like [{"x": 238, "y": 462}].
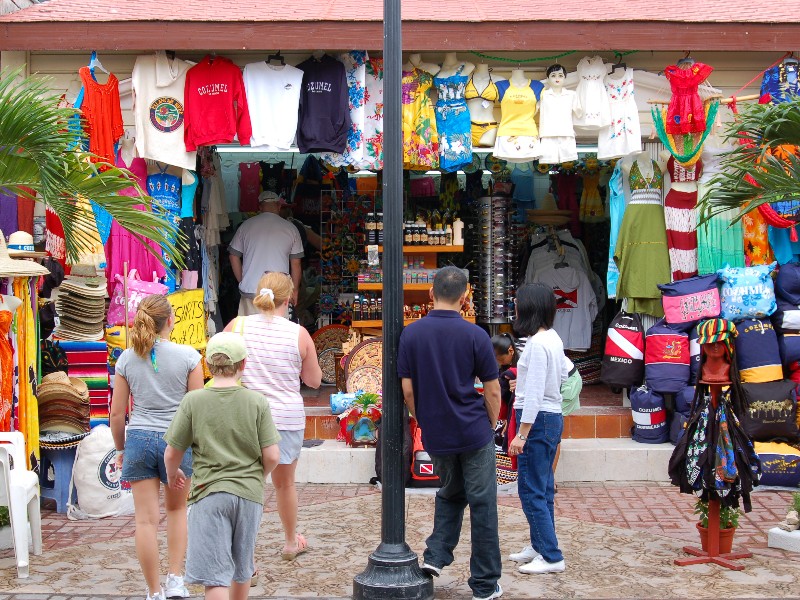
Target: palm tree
[
  {"x": 36, "y": 153},
  {"x": 763, "y": 167}
]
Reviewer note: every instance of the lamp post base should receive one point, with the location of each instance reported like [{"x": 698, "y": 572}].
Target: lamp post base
[{"x": 392, "y": 572}]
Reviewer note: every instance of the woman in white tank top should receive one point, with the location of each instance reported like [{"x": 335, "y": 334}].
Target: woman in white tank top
[{"x": 279, "y": 354}]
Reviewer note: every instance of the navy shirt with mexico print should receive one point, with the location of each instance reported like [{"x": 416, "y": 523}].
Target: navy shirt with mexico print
[{"x": 442, "y": 354}]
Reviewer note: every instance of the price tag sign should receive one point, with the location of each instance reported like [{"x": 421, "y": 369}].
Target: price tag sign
[{"x": 190, "y": 318}]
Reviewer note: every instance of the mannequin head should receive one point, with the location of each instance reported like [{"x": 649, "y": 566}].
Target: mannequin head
[
  {"x": 556, "y": 74},
  {"x": 415, "y": 59},
  {"x": 482, "y": 68},
  {"x": 716, "y": 363}
]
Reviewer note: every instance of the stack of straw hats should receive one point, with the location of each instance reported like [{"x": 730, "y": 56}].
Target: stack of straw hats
[
  {"x": 81, "y": 305},
  {"x": 63, "y": 404},
  {"x": 10, "y": 267}
]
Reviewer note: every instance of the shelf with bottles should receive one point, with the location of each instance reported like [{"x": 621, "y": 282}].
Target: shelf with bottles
[
  {"x": 429, "y": 249},
  {"x": 378, "y": 323},
  {"x": 419, "y": 287}
]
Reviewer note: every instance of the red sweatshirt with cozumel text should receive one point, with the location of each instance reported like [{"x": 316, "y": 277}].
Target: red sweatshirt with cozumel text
[{"x": 215, "y": 105}]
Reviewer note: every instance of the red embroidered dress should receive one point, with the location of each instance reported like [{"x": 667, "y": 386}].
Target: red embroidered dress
[{"x": 686, "y": 113}]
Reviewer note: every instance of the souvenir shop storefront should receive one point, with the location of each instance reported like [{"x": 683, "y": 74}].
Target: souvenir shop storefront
[{"x": 530, "y": 162}]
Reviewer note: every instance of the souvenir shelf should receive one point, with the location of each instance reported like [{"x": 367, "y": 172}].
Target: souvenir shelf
[{"x": 417, "y": 293}]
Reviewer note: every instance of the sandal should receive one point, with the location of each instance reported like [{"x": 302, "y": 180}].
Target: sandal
[
  {"x": 254, "y": 579},
  {"x": 302, "y": 546}
]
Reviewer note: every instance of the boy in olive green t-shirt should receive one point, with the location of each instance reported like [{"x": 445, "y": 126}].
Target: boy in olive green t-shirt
[{"x": 234, "y": 447}]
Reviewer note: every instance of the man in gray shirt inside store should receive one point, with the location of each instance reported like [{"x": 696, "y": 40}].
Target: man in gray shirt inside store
[{"x": 265, "y": 243}]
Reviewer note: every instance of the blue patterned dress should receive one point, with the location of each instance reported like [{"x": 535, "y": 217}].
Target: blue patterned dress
[{"x": 453, "y": 122}]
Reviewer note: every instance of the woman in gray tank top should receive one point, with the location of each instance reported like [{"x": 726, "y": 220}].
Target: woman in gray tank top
[{"x": 157, "y": 373}]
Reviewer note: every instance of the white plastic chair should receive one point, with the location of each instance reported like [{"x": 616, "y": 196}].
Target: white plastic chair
[{"x": 19, "y": 490}]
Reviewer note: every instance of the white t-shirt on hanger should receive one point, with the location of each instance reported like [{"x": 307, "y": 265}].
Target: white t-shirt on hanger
[
  {"x": 576, "y": 305},
  {"x": 273, "y": 95}
]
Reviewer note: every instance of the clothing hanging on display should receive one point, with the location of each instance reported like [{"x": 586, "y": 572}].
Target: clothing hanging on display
[
  {"x": 54, "y": 242},
  {"x": 159, "y": 109},
  {"x": 420, "y": 136},
  {"x": 576, "y": 304},
  {"x": 567, "y": 190},
  {"x": 517, "y": 134},
  {"x": 102, "y": 115},
  {"x": 165, "y": 190},
  {"x": 641, "y": 251},
  {"x": 624, "y": 136},
  {"x": 453, "y": 122},
  {"x": 6, "y": 369},
  {"x": 591, "y": 206},
  {"x": 556, "y": 131},
  {"x": 274, "y": 90},
  {"x": 686, "y": 113},
  {"x": 216, "y": 105},
  {"x": 616, "y": 210},
  {"x": 489, "y": 96},
  {"x": 680, "y": 215},
  {"x": 757, "y": 250},
  {"x": 592, "y": 94},
  {"x": 781, "y": 83},
  {"x": 356, "y": 74},
  {"x": 122, "y": 246},
  {"x": 522, "y": 178},
  {"x": 249, "y": 186},
  {"x": 8, "y": 214},
  {"x": 373, "y": 115},
  {"x": 324, "y": 119},
  {"x": 26, "y": 345}
]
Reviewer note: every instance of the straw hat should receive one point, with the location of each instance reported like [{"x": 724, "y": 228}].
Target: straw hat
[
  {"x": 60, "y": 385},
  {"x": 549, "y": 217},
  {"x": 60, "y": 439},
  {"x": 10, "y": 267},
  {"x": 20, "y": 242}
]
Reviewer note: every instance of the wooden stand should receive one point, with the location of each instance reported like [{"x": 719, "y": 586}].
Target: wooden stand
[{"x": 712, "y": 555}]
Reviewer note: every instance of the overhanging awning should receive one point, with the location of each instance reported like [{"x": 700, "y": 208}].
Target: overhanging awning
[{"x": 457, "y": 25}]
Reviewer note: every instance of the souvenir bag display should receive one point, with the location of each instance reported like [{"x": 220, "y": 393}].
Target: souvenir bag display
[
  {"x": 787, "y": 284},
  {"x": 138, "y": 290},
  {"x": 623, "y": 359},
  {"x": 691, "y": 299},
  {"x": 666, "y": 358},
  {"x": 422, "y": 472},
  {"x": 780, "y": 464},
  {"x": 786, "y": 320},
  {"x": 747, "y": 292},
  {"x": 359, "y": 423},
  {"x": 683, "y": 410},
  {"x": 649, "y": 416},
  {"x": 771, "y": 411},
  {"x": 757, "y": 351},
  {"x": 715, "y": 458},
  {"x": 694, "y": 356}
]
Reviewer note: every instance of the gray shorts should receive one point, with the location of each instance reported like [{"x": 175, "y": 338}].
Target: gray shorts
[
  {"x": 290, "y": 445},
  {"x": 222, "y": 540}
]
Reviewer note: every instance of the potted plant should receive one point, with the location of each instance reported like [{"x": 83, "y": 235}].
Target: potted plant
[
  {"x": 792, "y": 520},
  {"x": 728, "y": 522}
]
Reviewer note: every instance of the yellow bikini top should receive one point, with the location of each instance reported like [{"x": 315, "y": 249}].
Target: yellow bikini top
[{"x": 489, "y": 93}]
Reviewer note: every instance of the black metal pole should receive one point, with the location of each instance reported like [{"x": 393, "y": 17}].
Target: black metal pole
[{"x": 393, "y": 568}]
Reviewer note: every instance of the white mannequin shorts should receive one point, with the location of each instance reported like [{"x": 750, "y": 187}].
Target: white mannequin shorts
[
  {"x": 516, "y": 148},
  {"x": 557, "y": 150}
]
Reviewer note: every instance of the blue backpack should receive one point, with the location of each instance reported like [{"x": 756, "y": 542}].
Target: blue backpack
[{"x": 649, "y": 416}]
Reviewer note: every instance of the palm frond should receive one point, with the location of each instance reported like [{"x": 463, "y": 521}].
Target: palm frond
[
  {"x": 751, "y": 174},
  {"x": 38, "y": 152}
]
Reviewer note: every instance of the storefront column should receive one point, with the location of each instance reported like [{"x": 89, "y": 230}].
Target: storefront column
[{"x": 393, "y": 568}]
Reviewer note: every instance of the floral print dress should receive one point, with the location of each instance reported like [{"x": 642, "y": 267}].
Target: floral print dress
[
  {"x": 373, "y": 115},
  {"x": 420, "y": 137},
  {"x": 355, "y": 70}
]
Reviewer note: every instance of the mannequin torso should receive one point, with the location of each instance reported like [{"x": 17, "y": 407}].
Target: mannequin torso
[
  {"x": 679, "y": 186},
  {"x": 127, "y": 150},
  {"x": 9, "y": 303},
  {"x": 482, "y": 95},
  {"x": 451, "y": 65},
  {"x": 415, "y": 62}
]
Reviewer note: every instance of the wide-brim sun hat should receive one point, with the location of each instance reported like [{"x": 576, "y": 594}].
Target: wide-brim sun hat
[
  {"x": 60, "y": 385},
  {"x": 10, "y": 267}
]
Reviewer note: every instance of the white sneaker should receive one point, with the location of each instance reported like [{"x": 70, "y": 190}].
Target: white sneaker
[
  {"x": 498, "y": 591},
  {"x": 431, "y": 570},
  {"x": 157, "y": 596},
  {"x": 526, "y": 555},
  {"x": 175, "y": 587},
  {"x": 540, "y": 565}
]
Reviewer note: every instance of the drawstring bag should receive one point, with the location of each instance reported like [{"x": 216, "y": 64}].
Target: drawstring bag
[
  {"x": 666, "y": 358},
  {"x": 623, "y": 358},
  {"x": 747, "y": 292},
  {"x": 97, "y": 480},
  {"x": 690, "y": 299},
  {"x": 649, "y": 416},
  {"x": 758, "y": 353}
]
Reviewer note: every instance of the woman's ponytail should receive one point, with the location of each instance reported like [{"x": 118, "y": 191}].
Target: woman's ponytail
[{"x": 151, "y": 317}]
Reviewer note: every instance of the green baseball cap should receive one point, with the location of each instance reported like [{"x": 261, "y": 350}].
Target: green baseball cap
[{"x": 229, "y": 344}]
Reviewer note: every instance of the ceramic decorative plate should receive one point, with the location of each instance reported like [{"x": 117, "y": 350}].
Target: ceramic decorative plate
[
  {"x": 495, "y": 165},
  {"x": 330, "y": 336},
  {"x": 365, "y": 379},
  {"x": 327, "y": 363},
  {"x": 477, "y": 163},
  {"x": 367, "y": 353}
]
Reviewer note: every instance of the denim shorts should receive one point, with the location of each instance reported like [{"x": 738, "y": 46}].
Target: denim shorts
[{"x": 144, "y": 456}]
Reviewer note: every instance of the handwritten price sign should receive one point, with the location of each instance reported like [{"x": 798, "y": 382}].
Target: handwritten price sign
[{"x": 190, "y": 318}]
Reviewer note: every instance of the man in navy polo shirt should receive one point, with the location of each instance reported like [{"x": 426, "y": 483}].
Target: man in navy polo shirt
[{"x": 438, "y": 360}]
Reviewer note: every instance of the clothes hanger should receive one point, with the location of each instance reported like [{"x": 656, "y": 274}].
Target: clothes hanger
[
  {"x": 94, "y": 63},
  {"x": 791, "y": 60},
  {"x": 277, "y": 56},
  {"x": 170, "y": 54},
  {"x": 618, "y": 64},
  {"x": 687, "y": 60}
]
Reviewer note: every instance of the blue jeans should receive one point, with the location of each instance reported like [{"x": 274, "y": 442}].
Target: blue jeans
[
  {"x": 144, "y": 456},
  {"x": 468, "y": 479},
  {"x": 536, "y": 484}
]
